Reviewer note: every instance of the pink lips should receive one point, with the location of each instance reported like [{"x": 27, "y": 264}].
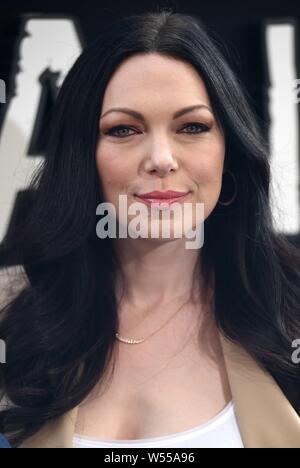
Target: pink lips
[{"x": 168, "y": 197}]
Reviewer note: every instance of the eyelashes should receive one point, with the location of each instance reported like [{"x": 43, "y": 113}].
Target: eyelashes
[
  {"x": 114, "y": 130},
  {"x": 199, "y": 126}
]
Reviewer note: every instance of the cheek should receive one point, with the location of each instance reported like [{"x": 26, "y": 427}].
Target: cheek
[
  {"x": 114, "y": 171},
  {"x": 207, "y": 170},
  {"x": 208, "y": 166}
]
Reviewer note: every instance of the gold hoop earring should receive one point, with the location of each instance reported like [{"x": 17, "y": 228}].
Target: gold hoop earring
[{"x": 235, "y": 190}]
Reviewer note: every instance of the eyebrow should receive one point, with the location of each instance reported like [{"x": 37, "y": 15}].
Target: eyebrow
[{"x": 139, "y": 116}]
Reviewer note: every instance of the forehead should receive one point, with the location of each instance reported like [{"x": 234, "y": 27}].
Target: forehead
[{"x": 155, "y": 78}]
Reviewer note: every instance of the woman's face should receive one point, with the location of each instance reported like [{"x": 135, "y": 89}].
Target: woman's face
[{"x": 160, "y": 152}]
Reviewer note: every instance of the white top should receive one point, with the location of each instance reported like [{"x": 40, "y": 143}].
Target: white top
[{"x": 222, "y": 431}]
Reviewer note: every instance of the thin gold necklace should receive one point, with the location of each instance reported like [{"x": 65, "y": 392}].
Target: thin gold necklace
[{"x": 133, "y": 341}]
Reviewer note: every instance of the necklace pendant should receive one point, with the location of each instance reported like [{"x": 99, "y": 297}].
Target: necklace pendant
[{"x": 128, "y": 340}]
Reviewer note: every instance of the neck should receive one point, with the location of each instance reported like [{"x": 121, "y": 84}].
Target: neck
[{"x": 156, "y": 273}]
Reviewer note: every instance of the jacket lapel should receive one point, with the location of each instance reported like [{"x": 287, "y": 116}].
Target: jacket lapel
[{"x": 265, "y": 416}]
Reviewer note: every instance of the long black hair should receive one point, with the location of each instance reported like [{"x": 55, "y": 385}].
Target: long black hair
[{"x": 60, "y": 329}]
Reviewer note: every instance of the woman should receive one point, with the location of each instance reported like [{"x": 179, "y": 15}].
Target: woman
[{"x": 142, "y": 339}]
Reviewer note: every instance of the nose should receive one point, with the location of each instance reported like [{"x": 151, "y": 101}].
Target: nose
[{"x": 161, "y": 161}]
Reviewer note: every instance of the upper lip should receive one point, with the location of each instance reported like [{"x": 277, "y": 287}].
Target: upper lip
[{"x": 160, "y": 195}]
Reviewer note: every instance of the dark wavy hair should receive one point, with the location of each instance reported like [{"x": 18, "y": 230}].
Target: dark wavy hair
[{"x": 60, "y": 329}]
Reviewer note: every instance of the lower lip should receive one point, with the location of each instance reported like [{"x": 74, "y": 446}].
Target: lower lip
[{"x": 161, "y": 202}]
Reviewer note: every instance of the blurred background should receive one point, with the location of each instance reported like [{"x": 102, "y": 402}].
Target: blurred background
[{"x": 39, "y": 42}]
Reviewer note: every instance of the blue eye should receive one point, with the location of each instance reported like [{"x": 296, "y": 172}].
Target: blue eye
[
  {"x": 201, "y": 127},
  {"x": 114, "y": 130}
]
